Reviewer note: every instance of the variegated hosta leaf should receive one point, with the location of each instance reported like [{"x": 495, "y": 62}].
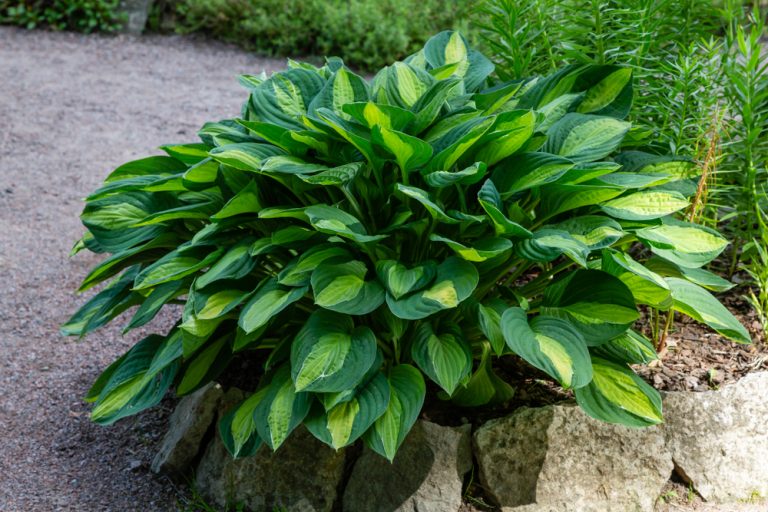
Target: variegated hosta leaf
[
  {"x": 630, "y": 348},
  {"x": 528, "y": 170},
  {"x": 479, "y": 251},
  {"x": 298, "y": 273},
  {"x": 617, "y": 395},
  {"x": 281, "y": 409},
  {"x": 342, "y": 88},
  {"x": 596, "y": 303},
  {"x": 594, "y": 231},
  {"x": 456, "y": 280},
  {"x": 373, "y": 114},
  {"x": 645, "y": 205},
  {"x": 647, "y": 287},
  {"x": 467, "y": 176},
  {"x": 687, "y": 245},
  {"x": 700, "y": 305},
  {"x": 600, "y": 96},
  {"x": 547, "y": 244},
  {"x": 699, "y": 276},
  {"x": 427, "y": 202},
  {"x": 410, "y": 152},
  {"x": 246, "y": 156},
  {"x": 551, "y": 344},
  {"x": 335, "y": 221},
  {"x": 331, "y": 355},
  {"x": 400, "y": 280},
  {"x": 450, "y": 50},
  {"x": 342, "y": 287},
  {"x": 490, "y": 199},
  {"x": 445, "y": 357},
  {"x": 585, "y": 138},
  {"x": 238, "y": 426},
  {"x": 406, "y": 396},
  {"x": 269, "y": 299},
  {"x": 484, "y": 386},
  {"x": 507, "y": 135},
  {"x": 346, "y": 421}
]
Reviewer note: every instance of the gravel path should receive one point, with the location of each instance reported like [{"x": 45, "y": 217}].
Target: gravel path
[{"x": 71, "y": 109}]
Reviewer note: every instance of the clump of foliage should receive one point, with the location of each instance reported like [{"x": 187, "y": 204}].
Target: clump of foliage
[
  {"x": 323, "y": 27},
  {"x": 361, "y": 236},
  {"x": 79, "y": 15}
]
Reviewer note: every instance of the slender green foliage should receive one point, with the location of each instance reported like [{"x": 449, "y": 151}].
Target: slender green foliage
[{"x": 363, "y": 238}]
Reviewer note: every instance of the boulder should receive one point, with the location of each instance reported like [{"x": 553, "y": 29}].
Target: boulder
[
  {"x": 556, "y": 458},
  {"x": 188, "y": 425},
  {"x": 719, "y": 439},
  {"x": 303, "y": 475},
  {"x": 426, "y": 475}
]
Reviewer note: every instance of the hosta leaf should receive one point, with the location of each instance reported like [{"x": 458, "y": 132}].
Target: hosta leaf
[
  {"x": 284, "y": 164},
  {"x": 342, "y": 88},
  {"x": 687, "y": 245},
  {"x": 594, "y": 231},
  {"x": 484, "y": 386},
  {"x": 446, "y": 357},
  {"x": 281, "y": 410},
  {"x": 406, "y": 396},
  {"x": 330, "y": 355},
  {"x": 453, "y": 145},
  {"x": 328, "y": 219},
  {"x": 489, "y": 322},
  {"x": 698, "y": 276},
  {"x": 548, "y": 244},
  {"x": 630, "y": 348},
  {"x": 400, "y": 280},
  {"x": 111, "y": 220},
  {"x": 373, "y": 114},
  {"x": 598, "y": 304},
  {"x": 283, "y": 139},
  {"x": 268, "y": 300},
  {"x": 645, "y": 205},
  {"x": 238, "y": 427},
  {"x": 479, "y": 251},
  {"x": 403, "y": 84},
  {"x": 456, "y": 280},
  {"x": 336, "y": 176},
  {"x": 345, "y": 422},
  {"x": 342, "y": 287},
  {"x": 490, "y": 200},
  {"x": 217, "y": 300},
  {"x": 552, "y": 345},
  {"x": 245, "y": 201},
  {"x": 700, "y": 305},
  {"x": 246, "y": 156},
  {"x": 223, "y": 133},
  {"x": 647, "y": 287},
  {"x": 646, "y": 163},
  {"x": 153, "y": 303},
  {"x": 285, "y": 96},
  {"x": 299, "y": 273},
  {"x": 95, "y": 312},
  {"x": 586, "y": 171},
  {"x": 507, "y": 135},
  {"x": 190, "y": 154},
  {"x": 467, "y": 176},
  {"x": 410, "y": 152},
  {"x": 617, "y": 395},
  {"x": 556, "y": 198},
  {"x": 205, "y": 366},
  {"x": 175, "y": 265},
  {"x": 152, "y": 165},
  {"x": 528, "y": 170},
  {"x": 423, "y": 197},
  {"x": 606, "y": 91},
  {"x": 428, "y": 107},
  {"x": 234, "y": 264},
  {"x": 584, "y": 137}
]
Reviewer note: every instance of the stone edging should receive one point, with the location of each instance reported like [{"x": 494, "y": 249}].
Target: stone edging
[{"x": 544, "y": 459}]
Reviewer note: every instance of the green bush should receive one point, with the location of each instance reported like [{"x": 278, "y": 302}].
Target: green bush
[
  {"x": 358, "y": 236},
  {"x": 369, "y": 33},
  {"x": 79, "y": 15}
]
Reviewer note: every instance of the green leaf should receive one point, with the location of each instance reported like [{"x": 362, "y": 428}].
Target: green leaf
[
  {"x": 335, "y": 221},
  {"x": 456, "y": 280},
  {"x": 205, "y": 366},
  {"x": 246, "y": 156},
  {"x": 342, "y": 88},
  {"x": 617, "y": 395},
  {"x": 330, "y": 355},
  {"x": 453, "y": 145},
  {"x": 645, "y": 205},
  {"x": 400, "y": 280},
  {"x": 406, "y": 397},
  {"x": 428, "y": 203},
  {"x": 489, "y": 322},
  {"x": 699, "y": 276},
  {"x": 281, "y": 410},
  {"x": 238, "y": 426},
  {"x": 490, "y": 200},
  {"x": 467, "y": 176},
  {"x": 479, "y": 251},
  {"x": 528, "y": 170},
  {"x": 298, "y": 273},
  {"x": 484, "y": 387},
  {"x": 410, "y": 152},
  {"x": 346, "y": 421},
  {"x": 175, "y": 265},
  {"x": 629, "y": 348},
  {"x": 373, "y": 114},
  {"x": 594, "y": 231},
  {"x": 268, "y": 300},
  {"x": 606, "y": 91},
  {"x": 687, "y": 245},
  {"x": 548, "y": 244},
  {"x": 152, "y": 165},
  {"x": 584, "y": 137},
  {"x": 700, "y": 305},
  {"x": 446, "y": 358},
  {"x": 598, "y": 304},
  {"x": 342, "y": 287},
  {"x": 552, "y": 345},
  {"x": 508, "y": 134},
  {"x": 647, "y": 287}
]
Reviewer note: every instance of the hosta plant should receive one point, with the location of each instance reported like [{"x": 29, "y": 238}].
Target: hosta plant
[{"x": 363, "y": 238}]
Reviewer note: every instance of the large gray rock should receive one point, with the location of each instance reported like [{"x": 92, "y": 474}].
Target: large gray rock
[
  {"x": 303, "y": 475},
  {"x": 188, "y": 425},
  {"x": 556, "y": 458},
  {"x": 426, "y": 475},
  {"x": 719, "y": 439}
]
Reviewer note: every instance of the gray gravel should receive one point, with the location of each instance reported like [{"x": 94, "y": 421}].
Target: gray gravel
[{"x": 71, "y": 109}]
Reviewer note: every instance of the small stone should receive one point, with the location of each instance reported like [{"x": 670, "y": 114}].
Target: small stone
[
  {"x": 426, "y": 475},
  {"x": 134, "y": 465},
  {"x": 719, "y": 439},
  {"x": 556, "y": 458},
  {"x": 189, "y": 423}
]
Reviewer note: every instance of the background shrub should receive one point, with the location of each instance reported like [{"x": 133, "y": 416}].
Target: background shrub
[
  {"x": 79, "y": 15},
  {"x": 367, "y": 33}
]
